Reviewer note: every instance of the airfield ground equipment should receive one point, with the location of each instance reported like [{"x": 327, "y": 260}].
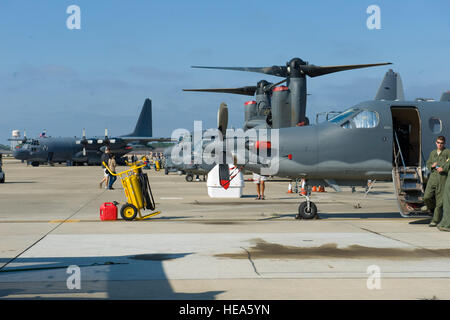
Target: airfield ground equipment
[
  {"x": 137, "y": 191},
  {"x": 108, "y": 211}
]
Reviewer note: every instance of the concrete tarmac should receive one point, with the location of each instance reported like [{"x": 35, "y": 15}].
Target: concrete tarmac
[{"x": 53, "y": 244}]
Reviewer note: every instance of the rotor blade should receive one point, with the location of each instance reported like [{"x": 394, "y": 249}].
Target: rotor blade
[
  {"x": 273, "y": 85},
  {"x": 222, "y": 118},
  {"x": 248, "y": 90},
  {"x": 314, "y": 71},
  {"x": 279, "y": 71}
]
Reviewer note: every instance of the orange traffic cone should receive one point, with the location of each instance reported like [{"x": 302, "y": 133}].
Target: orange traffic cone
[
  {"x": 303, "y": 192},
  {"x": 314, "y": 189},
  {"x": 321, "y": 189},
  {"x": 290, "y": 188}
]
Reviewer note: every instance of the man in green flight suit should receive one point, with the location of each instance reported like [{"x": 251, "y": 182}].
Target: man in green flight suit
[
  {"x": 444, "y": 225},
  {"x": 434, "y": 192}
]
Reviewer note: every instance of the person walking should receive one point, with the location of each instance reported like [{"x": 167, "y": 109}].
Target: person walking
[
  {"x": 112, "y": 167},
  {"x": 105, "y": 159},
  {"x": 434, "y": 191}
]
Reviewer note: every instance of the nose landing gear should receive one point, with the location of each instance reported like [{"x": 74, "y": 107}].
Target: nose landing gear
[{"x": 307, "y": 210}]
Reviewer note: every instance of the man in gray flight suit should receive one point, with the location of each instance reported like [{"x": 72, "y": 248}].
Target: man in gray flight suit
[{"x": 434, "y": 191}]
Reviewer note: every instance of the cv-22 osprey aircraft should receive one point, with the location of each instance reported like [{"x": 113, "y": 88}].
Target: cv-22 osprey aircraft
[
  {"x": 385, "y": 139},
  {"x": 87, "y": 150}
]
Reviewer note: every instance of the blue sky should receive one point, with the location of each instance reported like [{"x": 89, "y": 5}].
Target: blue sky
[{"x": 64, "y": 80}]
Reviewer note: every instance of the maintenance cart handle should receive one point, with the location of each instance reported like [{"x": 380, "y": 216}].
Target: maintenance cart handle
[{"x": 120, "y": 173}]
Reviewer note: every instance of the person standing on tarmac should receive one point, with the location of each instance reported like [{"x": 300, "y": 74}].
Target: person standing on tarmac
[
  {"x": 444, "y": 225},
  {"x": 260, "y": 185},
  {"x": 434, "y": 192}
]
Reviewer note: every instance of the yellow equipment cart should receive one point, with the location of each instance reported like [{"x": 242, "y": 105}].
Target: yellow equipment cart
[{"x": 137, "y": 191}]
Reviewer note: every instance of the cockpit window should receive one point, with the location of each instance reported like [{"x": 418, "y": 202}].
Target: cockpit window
[
  {"x": 346, "y": 125},
  {"x": 366, "y": 119},
  {"x": 363, "y": 119},
  {"x": 343, "y": 115}
]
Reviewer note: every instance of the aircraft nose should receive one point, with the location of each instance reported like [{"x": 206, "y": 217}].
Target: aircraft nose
[{"x": 20, "y": 154}]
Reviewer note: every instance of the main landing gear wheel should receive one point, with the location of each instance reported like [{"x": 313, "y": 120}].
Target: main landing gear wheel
[
  {"x": 128, "y": 212},
  {"x": 307, "y": 212},
  {"x": 189, "y": 177}
]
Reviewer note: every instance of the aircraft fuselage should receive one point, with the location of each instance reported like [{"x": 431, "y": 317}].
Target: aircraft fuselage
[{"x": 339, "y": 150}]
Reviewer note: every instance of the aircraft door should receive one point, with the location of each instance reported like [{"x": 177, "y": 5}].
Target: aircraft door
[
  {"x": 407, "y": 137},
  {"x": 407, "y": 160}
]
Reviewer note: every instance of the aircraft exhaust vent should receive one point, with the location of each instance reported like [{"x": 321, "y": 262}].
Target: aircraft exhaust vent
[{"x": 446, "y": 96}]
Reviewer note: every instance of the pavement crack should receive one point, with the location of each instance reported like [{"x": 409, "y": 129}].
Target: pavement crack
[
  {"x": 251, "y": 261},
  {"x": 405, "y": 242}
]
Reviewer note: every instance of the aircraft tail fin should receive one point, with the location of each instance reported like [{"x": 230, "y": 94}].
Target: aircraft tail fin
[
  {"x": 144, "y": 124},
  {"x": 391, "y": 87},
  {"x": 446, "y": 96}
]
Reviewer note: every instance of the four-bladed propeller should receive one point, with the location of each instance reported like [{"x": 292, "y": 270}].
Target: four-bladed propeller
[
  {"x": 84, "y": 142},
  {"x": 106, "y": 141}
]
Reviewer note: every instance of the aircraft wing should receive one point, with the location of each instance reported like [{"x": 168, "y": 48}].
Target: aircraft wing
[{"x": 147, "y": 139}]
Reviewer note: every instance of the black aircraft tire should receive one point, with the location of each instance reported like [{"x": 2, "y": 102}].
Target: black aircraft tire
[
  {"x": 166, "y": 171},
  {"x": 128, "y": 212},
  {"x": 35, "y": 164},
  {"x": 306, "y": 214},
  {"x": 2, "y": 180},
  {"x": 189, "y": 178}
]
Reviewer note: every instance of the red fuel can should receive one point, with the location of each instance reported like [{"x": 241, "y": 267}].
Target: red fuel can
[{"x": 108, "y": 211}]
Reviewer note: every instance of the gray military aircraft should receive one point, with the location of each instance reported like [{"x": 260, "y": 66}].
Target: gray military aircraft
[
  {"x": 190, "y": 169},
  {"x": 87, "y": 150},
  {"x": 382, "y": 139}
]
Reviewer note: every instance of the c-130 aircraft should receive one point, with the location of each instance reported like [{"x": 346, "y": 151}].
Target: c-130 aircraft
[
  {"x": 385, "y": 139},
  {"x": 87, "y": 150}
]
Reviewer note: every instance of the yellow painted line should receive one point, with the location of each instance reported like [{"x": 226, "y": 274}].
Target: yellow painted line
[{"x": 59, "y": 221}]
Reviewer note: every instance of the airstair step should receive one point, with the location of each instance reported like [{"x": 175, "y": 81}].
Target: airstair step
[
  {"x": 411, "y": 186},
  {"x": 412, "y": 198},
  {"x": 409, "y": 176}
]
